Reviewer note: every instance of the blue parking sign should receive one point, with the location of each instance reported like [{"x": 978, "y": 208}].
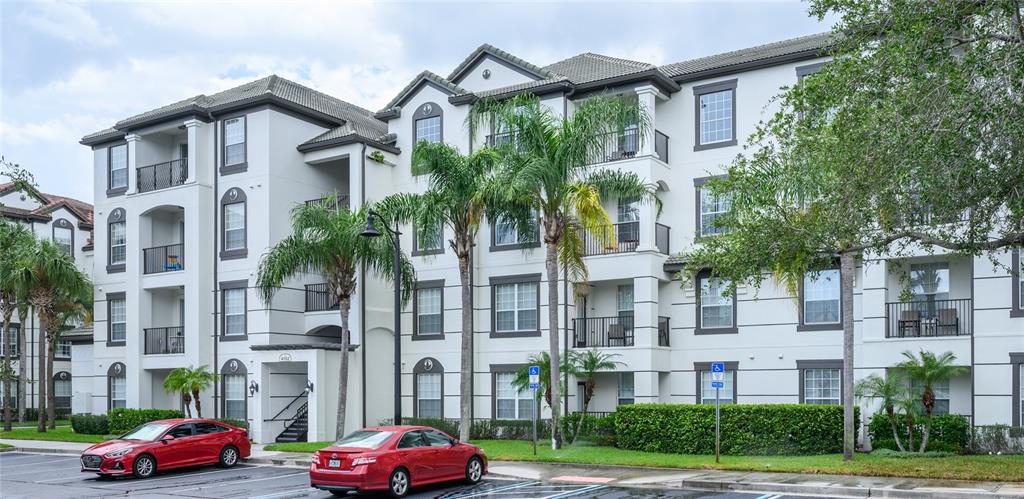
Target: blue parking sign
[
  {"x": 718, "y": 367},
  {"x": 534, "y": 370}
]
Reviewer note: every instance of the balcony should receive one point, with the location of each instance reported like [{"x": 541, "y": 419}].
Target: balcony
[
  {"x": 663, "y": 331},
  {"x": 328, "y": 202},
  {"x": 624, "y": 237},
  {"x": 159, "y": 259},
  {"x": 614, "y": 331},
  {"x": 611, "y": 147},
  {"x": 319, "y": 298},
  {"x": 927, "y": 319},
  {"x": 161, "y": 175},
  {"x": 164, "y": 340}
]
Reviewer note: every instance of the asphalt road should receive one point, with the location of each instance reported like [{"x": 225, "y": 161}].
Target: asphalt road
[{"x": 25, "y": 475}]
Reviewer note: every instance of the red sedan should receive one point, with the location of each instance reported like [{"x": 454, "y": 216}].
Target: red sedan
[
  {"x": 393, "y": 458},
  {"x": 167, "y": 444}
]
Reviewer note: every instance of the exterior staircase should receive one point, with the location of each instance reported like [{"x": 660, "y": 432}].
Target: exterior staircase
[{"x": 297, "y": 428}]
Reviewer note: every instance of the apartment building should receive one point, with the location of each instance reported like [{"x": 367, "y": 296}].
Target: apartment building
[
  {"x": 182, "y": 293},
  {"x": 68, "y": 223}
]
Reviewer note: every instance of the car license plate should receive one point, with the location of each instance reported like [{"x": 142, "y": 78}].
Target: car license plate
[{"x": 334, "y": 463}]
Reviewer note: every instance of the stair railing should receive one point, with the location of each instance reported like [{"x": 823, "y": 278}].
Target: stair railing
[{"x": 301, "y": 410}]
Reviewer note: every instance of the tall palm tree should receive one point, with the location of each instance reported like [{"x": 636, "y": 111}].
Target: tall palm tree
[
  {"x": 927, "y": 368},
  {"x": 48, "y": 272},
  {"x": 14, "y": 240},
  {"x": 891, "y": 390},
  {"x": 72, "y": 306},
  {"x": 326, "y": 239},
  {"x": 190, "y": 380},
  {"x": 455, "y": 199},
  {"x": 177, "y": 382},
  {"x": 546, "y": 165},
  {"x": 521, "y": 381},
  {"x": 587, "y": 365},
  {"x": 22, "y": 298}
]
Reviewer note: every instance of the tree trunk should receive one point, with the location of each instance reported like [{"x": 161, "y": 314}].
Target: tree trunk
[
  {"x": 8, "y": 358},
  {"x": 910, "y": 431},
  {"x": 186, "y": 400},
  {"x": 344, "y": 304},
  {"x": 22, "y": 364},
  {"x": 892, "y": 423},
  {"x": 551, "y": 263},
  {"x": 466, "y": 374},
  {"x": 199, "y": 407},
  {"x": 51, "y": 398},
  {"x": 586, "y": 404},
  {"x": 40, "y": 385},
  {"x": 847, "y": 269}
]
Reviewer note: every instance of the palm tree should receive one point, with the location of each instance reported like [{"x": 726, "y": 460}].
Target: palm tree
[
  {"x": 177, "y": 382},
  {"x": 546, "y": 166},
  {"x": 48, "y": 272},
  {"x": 14, "y": 240},
  {"x": 190, "y": 380},
  {"x": 72, "y": 307},
  {"x": 891, "y": 390},
  {"x": 927, "y": 368},
  {"x": 22, "y": 300},
  {"x": 455, "y": 199},
  {"x": 521, "y": 381},
  {"x": 326, "y": 239},
  {"x": 587, "y": 365}
]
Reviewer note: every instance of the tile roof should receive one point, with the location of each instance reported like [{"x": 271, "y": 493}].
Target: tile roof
[
  {"x": 500, "y": 54},
  {"x": 425, "y": 75},
  {"x": 794, "y": 46},
  {"x": 589, "y": 67},
  {"x": 48, "y": 203}
]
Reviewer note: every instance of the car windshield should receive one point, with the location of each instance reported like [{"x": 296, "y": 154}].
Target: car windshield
[
  {"x": 367, "y": 439},
  {"x": 148, "y": 431}
]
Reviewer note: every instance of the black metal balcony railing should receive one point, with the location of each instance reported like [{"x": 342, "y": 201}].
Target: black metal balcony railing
[
  {"x": 603, "y": 331},
  {"x": 160, "y": 259},
  {"x": 661, "y": 233},
  {"x": 928, "y": 318},
  {"x": 613, "y": 146},
  {"x": 164, "y": 340},
  {"x": 161, "y": 175},
  {"x": 319, "y": 297},
  {"x": 327, "y": 202},
  {"x": 623, "y": 237},
  {"x": 663, "y": 331}
]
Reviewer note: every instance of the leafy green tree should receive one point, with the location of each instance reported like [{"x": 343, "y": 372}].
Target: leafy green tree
[
  {"x": 546, "y": 166},
  {"x": 72, "y": 307},
  {"x": 190, "y": 380},
  {"x": 15, "y": 239},
  {"x": 455, "y": 199},
  {"x": 587, "y": 364},
  {"x": 928, "y": 368},
  {"x": 177, "y": 382},
  {"x": 326, "y": 240},
  {"x": 891, "y": 391},
  {"x": 521, "y": 381}
]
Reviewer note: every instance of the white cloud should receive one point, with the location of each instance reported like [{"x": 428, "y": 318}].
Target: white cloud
[{"x": 68, "y": 22}]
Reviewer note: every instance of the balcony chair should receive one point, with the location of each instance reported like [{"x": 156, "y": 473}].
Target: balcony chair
[
  {"x": 947, "y": 320},
  {"x": 616, "y": 335},
  {"x": 172, "y": 263},
  {"x": 910, "y": 320}
]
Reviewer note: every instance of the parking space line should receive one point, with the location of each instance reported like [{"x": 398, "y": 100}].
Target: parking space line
[
  {"x": 179, "y": 476},
  {"x": 35, "y": 472},
  {"x": 210, "y": 486},
  {"x": 577, "y": 492},
  {"x": 481, "y": 493},
  {"x": 7, "y": 466},
  {"x": 58, "y": 479},
  {"x": 285, "y": 493}
]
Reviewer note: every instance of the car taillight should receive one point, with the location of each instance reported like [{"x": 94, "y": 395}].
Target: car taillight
[{"x": 363, "y": 460}]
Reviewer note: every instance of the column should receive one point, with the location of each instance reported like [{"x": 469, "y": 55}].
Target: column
[
  {"x": 647, "y": 96},
  {"x": 192, "y": 129},
  {"x": 645, "y": 387},
  {"x": 132, "y": 140},
  {"x": 645, "y": 313}
]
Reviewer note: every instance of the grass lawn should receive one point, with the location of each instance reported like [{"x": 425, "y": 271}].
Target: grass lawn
[
  {"x": 59, "y": 435},
  {"x": 32, "y": 424},
  {"x": 5, "y": 446},
  {"x": 298, "y": 446}
]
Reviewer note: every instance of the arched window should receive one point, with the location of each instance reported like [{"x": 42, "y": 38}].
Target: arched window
[
  {"x": 117, "y": 386},
  {"x": 427, "y": 123},
  {"x": 62, "y": 391},
  {"x": 117, "y": 241},
  {"x": 233, "y": 380},
  {"x": 64, "y": 236},
  {"x": 428, "y": 389},
  {"x": 234, "y": 224}
]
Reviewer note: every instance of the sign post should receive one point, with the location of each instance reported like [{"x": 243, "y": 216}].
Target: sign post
[
  {"x": 718, "y": 382},
  {"x": 535, "y": 385}
]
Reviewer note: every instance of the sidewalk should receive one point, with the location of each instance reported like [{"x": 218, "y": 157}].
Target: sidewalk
[{"x": 664, "y": 478}]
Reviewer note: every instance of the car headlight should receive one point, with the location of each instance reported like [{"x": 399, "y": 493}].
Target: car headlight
[
  {"x": 117, "y": 453},
  {"x": 363, "y": 460}
]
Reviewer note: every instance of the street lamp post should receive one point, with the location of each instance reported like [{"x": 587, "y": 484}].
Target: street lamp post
[{"x": 371, "y": 231}]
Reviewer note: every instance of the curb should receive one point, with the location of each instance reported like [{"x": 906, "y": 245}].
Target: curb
[
  {"x": 293, "y": 461},
  {"x": 43, "y": 450}
]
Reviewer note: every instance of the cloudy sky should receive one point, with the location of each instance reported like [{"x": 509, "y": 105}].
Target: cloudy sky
[{"x": 70, "y": 68}]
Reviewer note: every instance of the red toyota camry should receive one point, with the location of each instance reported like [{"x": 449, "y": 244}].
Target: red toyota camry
[
  {"x": 167, "y": 444},
  {"x": 393, "y": 458}
]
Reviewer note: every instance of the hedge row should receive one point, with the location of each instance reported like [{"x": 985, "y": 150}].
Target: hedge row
[
  {"x": 997, "y": 439},
  {"x": 761, "y": 429},
  {"x": 598, "y": 429},
  {"x": 122, "y": 420},
  {"x": 949, "y": 433},
  {"x": 90, "y": 424}
]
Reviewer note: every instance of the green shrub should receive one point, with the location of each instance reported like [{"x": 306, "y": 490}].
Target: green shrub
[
  {"x": 240, "y": 423},
  {"x": 598, "y": 429},
  {"x": 909, "y": 455},
  {"x": 997, "y": 439},
  {"x": 747, "y": 429},
  {"x": 122, "y": 420},
  {"x": 486, "y": 429},
  {"x": 90, "y": 424},
  {"x": 949, "y": 433}
]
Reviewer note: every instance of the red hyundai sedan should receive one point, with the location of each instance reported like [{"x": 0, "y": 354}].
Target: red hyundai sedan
[
  {"x": 393, "y": 458},
  {"x": 167, "y": 444}
]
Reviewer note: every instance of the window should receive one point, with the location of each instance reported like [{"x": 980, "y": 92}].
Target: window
[
  {"x": 117, "y": 161},
  {"x": 428, "y": 241},
  {"x": 118, "y": 243},
  {"x": 624, "y": 306},
  {"x": 11, "y": 345},
  {"x": 628, "y": 216},
  {"x": 505, "y": 236},
  {"x": 64, "y": 236},
  {"x": 181, "y": 431},
  {"x": 436, "y": 439},
  {"x": 821, "y": 298},
  {"x": 210, "y": 428},
  {"x": 715, "y": 115},
  {"x": 1017, "y": 290},
  {"x": 13, "y": 401},
  {"x": 117, "y": 386},
  {"x": 428, "y": 129},
  {"x": 726, "y": 394},
  {"x": 715, "y": 312},
  {"x": 428, "y": 395},
  {"x": 509, "y": 402},
  {"x": 63, "y": 350},
  {"x": 822, "y": 386},
  {"x": 233, "y": 298},
  {"x": 941, "y": 391},
  {"x": 234, "y": 142},
  {"x": 234, "y": 396},
  {"x": 709, "y": 208},
  {"x": 625, "y": 388},
  {"x": 929, "y": 285},
  {"x": 62, "y": 390},
  {"x": 429, "y": 308},
  {"x": 116, "y": 318},
  {"x": 233, "y": 224},
  {"x": 516, "y": 306},
  {"x": 412, "y": 439}
]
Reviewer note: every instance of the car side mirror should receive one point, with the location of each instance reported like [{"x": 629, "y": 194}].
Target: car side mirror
[
  {"x": 454, "y": 442},
  {"x": 167, "y": 438}
]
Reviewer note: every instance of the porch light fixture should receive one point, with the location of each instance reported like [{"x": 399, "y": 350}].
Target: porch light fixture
[
  {"x": 371, "y": 231},
  {"x": 309, "y": 386},
  {"x": 253, "y": 387}
]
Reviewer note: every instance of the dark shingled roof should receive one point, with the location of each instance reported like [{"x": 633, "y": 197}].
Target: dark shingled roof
[
  {"x": 804, "y": 45},
  {"x": 590, "y": 67},
  {"x": 48, "y": 203},
  {"x": 425, "y": 75},
  {"x": 500, "y": 54}
]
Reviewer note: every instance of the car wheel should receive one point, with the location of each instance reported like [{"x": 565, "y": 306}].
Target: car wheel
[
  {"x": 228, "y": 456},
  {"x": 144, "y": 466},
  {"x": 474, "y": 470},
  {"x": 398, "y": 484}
]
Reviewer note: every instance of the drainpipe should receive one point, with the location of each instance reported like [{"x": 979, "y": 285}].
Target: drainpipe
[
  {"x": 216, "y": 258},
  {"x": 362, "y": 278}
]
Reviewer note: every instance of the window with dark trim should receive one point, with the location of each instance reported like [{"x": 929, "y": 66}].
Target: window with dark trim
[
  {"x": 233, "y": 385},
  {"x": 715, "y": 115},
  {"x": 234, "y": 224},
  {"x": 63, "y": 350},
  {"x": 716, "y": 314},
  {"x": 805, "y": 71},
  {"x": 428, "y": 389},
  {"x": 428, "y": 241},
  {"x": 820, "y": 306},
  {"x": 428, "y": 310},
  {"x": 428, "y": 124},
  {"x": 12, "y": 343},
  {"x": 117, "y": 241},
  {"x": 1017, "y": 361},
  {"x": 117, "y": 386},
  {"x": 64, "y": 236},
  {"x": 233, "y": 310},
  {"x": 62, "y": 391},
  {"x": 709, "y": 207},
  {"x": 508, "y": 402},
  {"x": 821, "y": 381},
  {"x": 626, "y": 392},
  {"x": 706, "y": 392},
  {"x": 117, "y": 327},
  {"x": 117, "y": 169},
  {"x": 515, "y": 306},
  {"x": 1017, "y": 291},
  {"x": 234, "y": 131},
  {"x": 504, "y": 236}
]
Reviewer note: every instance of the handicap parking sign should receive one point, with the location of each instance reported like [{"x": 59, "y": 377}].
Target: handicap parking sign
[
  {"x": 534, "y": 372},
  {"x": 718, "y": 367}
]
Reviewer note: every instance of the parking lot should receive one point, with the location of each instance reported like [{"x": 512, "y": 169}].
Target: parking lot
[{"x": 26, "y": 475}]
